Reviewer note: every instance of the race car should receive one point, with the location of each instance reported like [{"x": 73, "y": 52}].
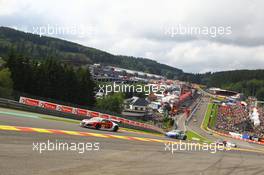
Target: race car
[
  {"x": 176, "y": 134},
  {"x": 230, "y": 145},
  {"x": 99, "y": 123},
  {"x": 227, "y": 144}
]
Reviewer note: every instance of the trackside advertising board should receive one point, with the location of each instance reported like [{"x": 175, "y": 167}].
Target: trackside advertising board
[{"x": 82, "y": 112}]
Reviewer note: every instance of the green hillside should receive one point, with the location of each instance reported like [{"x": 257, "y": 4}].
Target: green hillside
[{"x": 36, "y": 47}]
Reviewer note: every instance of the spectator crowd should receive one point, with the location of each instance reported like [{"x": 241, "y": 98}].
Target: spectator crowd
[{"x": 236, "y": 118}]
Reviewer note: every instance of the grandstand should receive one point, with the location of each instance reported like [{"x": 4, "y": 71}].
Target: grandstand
[
  {"x": 224, "y": 93},
  {"x": 241, "y": 119}
]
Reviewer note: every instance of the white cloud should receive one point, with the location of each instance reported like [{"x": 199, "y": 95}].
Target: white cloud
[
  {"x": 202, "y": 56},
  {"x": 136, "y": 27},
  {"x": 8, "y": 7}
]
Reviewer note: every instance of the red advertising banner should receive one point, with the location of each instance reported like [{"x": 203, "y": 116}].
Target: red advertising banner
[
  {"x": 66, "y": 109},
  {"x": 104, "y": 116},
  {"x": 121, "y": 120},
  {"x": 47, "y": 105},
  {"x": 126, "y": 121},
  {"x": 30, "y": 102},
  {"x": 94, "y": 114},
  {"x": 137, "y": 124},
  {"x": 82, "y": 112},
  {"x": 132, "y": 122},
  {"x": 113, "y": 118}
]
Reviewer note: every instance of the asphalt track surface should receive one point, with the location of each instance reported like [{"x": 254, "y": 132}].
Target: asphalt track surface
[{"x": 115, "y": 156}]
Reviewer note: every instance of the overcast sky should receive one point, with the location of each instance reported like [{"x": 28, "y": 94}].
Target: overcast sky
[{"x": 144, "y": 28}]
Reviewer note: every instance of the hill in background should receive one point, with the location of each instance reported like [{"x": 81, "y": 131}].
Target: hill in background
[
  {"x": 36, "y": 47},
  {"x": 249, "y": 82}
]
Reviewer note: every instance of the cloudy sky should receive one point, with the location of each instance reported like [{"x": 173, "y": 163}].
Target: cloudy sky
[{"x": 162, "y": 30}]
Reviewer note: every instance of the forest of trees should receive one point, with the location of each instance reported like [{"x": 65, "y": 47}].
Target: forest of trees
[
  {"x": 6, "y": 83},
  {"x": 252, "y": 87},
  {"x": 112, "y": 102},
  {"x": 51, "y": 79},
  {"x": 249, "y": 82}
]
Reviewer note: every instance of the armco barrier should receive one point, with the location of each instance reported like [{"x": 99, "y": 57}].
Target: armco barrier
[{"x": 83, "y": 112}]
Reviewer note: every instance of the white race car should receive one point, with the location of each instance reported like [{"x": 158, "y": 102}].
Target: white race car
[
  {"x": 99, "y": 123},
  {"x": 230, "y": 145},
  {"x": 227, "y": 144}
]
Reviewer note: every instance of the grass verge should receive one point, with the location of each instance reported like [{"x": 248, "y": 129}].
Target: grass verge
[
  {"x": 207, "y": 116},
  {"x": 214, "y": 112},
  {"x": 193, "y": 136},
  {"x": 210, "y": 116}
]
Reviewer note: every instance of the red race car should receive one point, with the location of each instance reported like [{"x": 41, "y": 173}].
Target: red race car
[{"x": 99, "y": 123}]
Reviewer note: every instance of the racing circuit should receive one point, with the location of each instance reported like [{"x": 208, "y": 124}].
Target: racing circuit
[{"x": 124, "y": 152}]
